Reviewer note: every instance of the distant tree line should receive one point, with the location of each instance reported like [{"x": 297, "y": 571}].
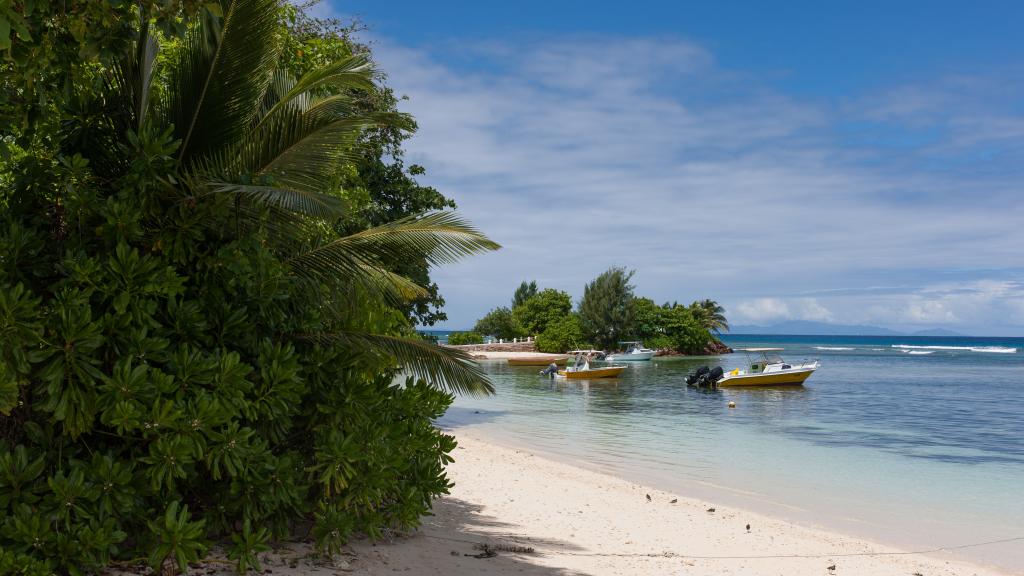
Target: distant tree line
[{"x": 608, "y": 313}]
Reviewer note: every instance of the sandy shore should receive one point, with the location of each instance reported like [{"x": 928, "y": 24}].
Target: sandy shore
[
  {"x": 583, "y": 522},
  {"x": 506, "y": 355},
  {"x": 578, "y": 521}
]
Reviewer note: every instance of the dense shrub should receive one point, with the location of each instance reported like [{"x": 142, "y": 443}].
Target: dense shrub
[
  {"x": 606, "y": 310},
  {"x": 500, "y": 324},
  {"x": 191, "y": 350},
  {"x": 537, "y": 312},
  {"x": 684, "y": 330},
  {"x": 562, "y": 335},
  {"x": 460, "y": 338}
]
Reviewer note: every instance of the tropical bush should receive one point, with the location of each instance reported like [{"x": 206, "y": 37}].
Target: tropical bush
[
  {"x": 459, "y": 338},
  {"x": 524, "y": 292},
  {"x": 537, "y": 312},
  {"x": 561, "y": 335},
  {"x": 607, "y": 310},
  {"x": 192, "y": 349},
  {"x": 500, "y": 324},
  {"x": 684, "y": 330}
]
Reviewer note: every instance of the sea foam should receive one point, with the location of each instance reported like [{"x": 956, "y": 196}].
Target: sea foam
[
  {"x": 988, "y": 349},
  {"x": 833, "y": 348}
]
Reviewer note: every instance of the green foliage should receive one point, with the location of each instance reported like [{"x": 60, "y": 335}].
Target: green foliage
[
  {"x": 710, "y": 315},
  {"x": 542, "y": 309},
  {"x": 684, "y": 330},
  {"x": 606, "y": 310},
  {"x": 378, "y": 187},
  {"x": 177, "y": 538},
  {"x": 247, "y": 545},
  {"x": 194, "y": 348},
  {"x": 499, "y": 323},
  {"x": 561, "y": 335},
  {"x": 524, "y": 292},
  {"x": 647, "y": 318},
  {"x": 459, "y": 338}
]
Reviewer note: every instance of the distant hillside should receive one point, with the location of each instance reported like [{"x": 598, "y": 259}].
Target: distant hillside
[
  {"x": 805, "y": 327},
  {"x": 936, "y": 332}
]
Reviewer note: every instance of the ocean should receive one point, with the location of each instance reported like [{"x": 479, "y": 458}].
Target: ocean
[{"x": 912, "y": 441}]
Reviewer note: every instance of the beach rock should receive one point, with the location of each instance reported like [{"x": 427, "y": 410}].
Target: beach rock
[{"x": 714, "y": 348}]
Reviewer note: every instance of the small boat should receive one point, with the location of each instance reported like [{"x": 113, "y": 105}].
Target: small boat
[
  {"x": 768, "y": 369},
  {"x": 593, "y": 354},
  {"x": 581, "y": 370},
  {"x": 537, "y": 360},
  {"x": 590, "y": 373},
  {"x": 634, "y": 351}
]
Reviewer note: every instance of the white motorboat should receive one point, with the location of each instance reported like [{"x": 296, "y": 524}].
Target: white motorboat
[
  {"x": 769, "y": 369},
  {"x": 634, "y": 351}
]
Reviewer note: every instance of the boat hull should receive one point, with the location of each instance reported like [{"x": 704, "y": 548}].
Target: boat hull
[
  {"x": 638, "y": 357},
  {"x": 606, "y": 372},
  {"x": 536, "y": 361},
  {"x": 787, "y": 378}
]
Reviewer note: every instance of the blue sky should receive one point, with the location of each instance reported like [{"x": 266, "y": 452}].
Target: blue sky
[{"x": 847, "y": 162}]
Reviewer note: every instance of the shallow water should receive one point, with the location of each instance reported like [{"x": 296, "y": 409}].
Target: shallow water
[{"x": 917, "y": 450}]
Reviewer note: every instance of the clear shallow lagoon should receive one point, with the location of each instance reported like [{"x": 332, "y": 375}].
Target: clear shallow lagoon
[{"x": 917, "y": 442}]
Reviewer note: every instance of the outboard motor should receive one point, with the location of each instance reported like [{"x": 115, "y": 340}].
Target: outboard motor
[
  {"x": 695, "y": 377},
  {"x": 714, "y": 376},
  {"x": 550, "y": 371}
]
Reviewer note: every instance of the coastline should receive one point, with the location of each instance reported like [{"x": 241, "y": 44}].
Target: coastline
[{"x": 580, "y": 521}]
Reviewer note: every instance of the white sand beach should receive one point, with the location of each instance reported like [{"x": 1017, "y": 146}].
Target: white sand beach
[
  {"x": 583, "y": 522},
  {"x": 501, "y": 355}
]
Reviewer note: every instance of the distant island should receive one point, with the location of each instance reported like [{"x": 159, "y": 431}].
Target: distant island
[
  {"x": 608, "y": 315},
  {"x": 810, "y": 328}
]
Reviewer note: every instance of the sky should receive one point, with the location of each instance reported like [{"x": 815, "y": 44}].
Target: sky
[{"x": 842, "y": 162}]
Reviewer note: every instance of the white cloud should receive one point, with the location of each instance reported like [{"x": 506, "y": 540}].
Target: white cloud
[
  {"x": 766, "y": 310},
  {"x": 989, "y": 304},
  {"x": 584, "y": 153}
]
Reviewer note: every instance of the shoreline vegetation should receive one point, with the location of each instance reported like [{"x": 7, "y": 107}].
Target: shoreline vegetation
[
  {"x": 212, "y": 262},
  {"x": 608, "y": 314}
]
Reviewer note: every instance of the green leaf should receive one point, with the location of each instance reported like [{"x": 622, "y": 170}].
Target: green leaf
[
  {"x": 5, "y": 33},
  {"x": 215, "y": 9}
]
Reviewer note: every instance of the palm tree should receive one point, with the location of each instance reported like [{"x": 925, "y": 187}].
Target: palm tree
[
  {"x": 267, "y": 147},
  {"x": 711, "y": 315}
]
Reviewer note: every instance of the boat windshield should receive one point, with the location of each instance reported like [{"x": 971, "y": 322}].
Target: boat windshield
[{"x": 773, "y": 359}]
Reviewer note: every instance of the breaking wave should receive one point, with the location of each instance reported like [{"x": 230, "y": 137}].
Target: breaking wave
[
  {"x": 989, "y": 349},
  {"x": 833, "y": 348}
]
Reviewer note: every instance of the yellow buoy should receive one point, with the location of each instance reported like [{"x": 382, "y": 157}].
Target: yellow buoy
[{"x": 732, "y": 404}]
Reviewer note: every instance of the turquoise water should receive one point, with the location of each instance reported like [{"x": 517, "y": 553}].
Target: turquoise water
[{"x": 916, "y": 442}]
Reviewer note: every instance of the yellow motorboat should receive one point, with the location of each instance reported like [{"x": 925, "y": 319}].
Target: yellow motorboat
[
  {"x": 580, "y": 368},
  {"x": 768, "y": 369},
  {"x": 589, "y": 373}
]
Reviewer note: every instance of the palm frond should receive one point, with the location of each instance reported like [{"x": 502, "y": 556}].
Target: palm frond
[
  {"x": 438, "y": 237},
  {"x": 297, "y": 201},
  {"x": 133, "y": 76},
  {"x": 340, "y": 268},
  {"x": 300, "y": 151},
  {"x": 448, "y": 368},
  {"x": 223, "y": 74},
  {"x": 354, "y": 72}
]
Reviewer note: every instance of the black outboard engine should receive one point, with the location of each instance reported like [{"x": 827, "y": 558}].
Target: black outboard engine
[
  {"x": 714, "y": 376},
  {"x": 695, "y": 377},
  {"x": 550, "y": 371}
]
